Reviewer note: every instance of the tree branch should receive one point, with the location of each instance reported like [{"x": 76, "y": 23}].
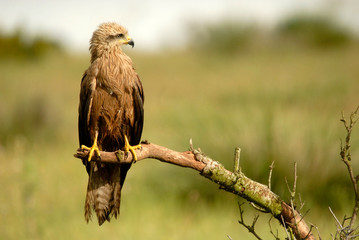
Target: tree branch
[
  {"x": 250, "y": 228},
  {"x": 236, "y": 183},
  {"x": 346, "y": 157}
]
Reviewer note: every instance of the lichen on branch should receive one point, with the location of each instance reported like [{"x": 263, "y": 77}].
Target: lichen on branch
[{"x": 236, "y": 183}]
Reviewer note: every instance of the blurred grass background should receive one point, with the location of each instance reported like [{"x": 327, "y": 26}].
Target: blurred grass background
[{"x": 276, "y": 95}]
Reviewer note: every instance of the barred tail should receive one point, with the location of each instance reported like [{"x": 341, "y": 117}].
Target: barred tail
[{"x": 103, "y": 192}]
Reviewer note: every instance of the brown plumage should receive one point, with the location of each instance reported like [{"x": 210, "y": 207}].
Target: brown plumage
[{"x": 111, "y": 107}]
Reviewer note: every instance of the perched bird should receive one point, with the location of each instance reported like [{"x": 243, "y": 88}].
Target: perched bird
[{"x": 110, "y": 117}]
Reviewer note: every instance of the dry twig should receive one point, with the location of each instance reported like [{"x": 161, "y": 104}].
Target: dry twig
[
  {"x": 250, "y": 228},
  {"x": 347, "y": 159},
  {"x": 271, "y": 167},
  {"x": 271, "y": 230}
]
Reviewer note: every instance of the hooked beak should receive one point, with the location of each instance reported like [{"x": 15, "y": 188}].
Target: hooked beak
[{"x": 131, "y": 43}]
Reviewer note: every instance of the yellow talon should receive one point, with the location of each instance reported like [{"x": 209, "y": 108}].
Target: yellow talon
[
  {"x": 93, "y": 149},
  {"x": 129, "y": 148}
]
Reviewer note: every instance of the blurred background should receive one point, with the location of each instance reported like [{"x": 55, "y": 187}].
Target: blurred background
[{"x": 271, "y": 77}]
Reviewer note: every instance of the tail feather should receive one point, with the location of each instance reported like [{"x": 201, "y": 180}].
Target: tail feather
[
  {"x": 103, "y": 192},
  {"x": 116, "y": 200},
  {"x": 88, "y": 204}
]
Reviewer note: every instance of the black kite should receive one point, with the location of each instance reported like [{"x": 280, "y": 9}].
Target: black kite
[{"x": 110, "y": 117}]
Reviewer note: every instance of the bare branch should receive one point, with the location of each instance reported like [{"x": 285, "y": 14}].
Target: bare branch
[
  {"x": 316, "y": 227},
  {"x": 271, "y": 167},
  {"x": 336, "y": 219},
  {"x": 237, "y": 156},
  {"x": 345, "y": 155},
  {"x": 271, "y": 230},
  {"x": 293, "y": 192},
  {"x": 148, "y": 150},
  {"x": 295, "y": 222},
  {"x": 250, "y": 228},
  {"x": 301, "y": 202},
  {"x": 238, "y": 184},
  {"x": 295, "y": 181},
  {"x": 299, "y": 219},
  {"x": 285, "y": 228}
]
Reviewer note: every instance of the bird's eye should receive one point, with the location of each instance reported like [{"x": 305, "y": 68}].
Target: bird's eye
[{"x": 120, "y": 35}]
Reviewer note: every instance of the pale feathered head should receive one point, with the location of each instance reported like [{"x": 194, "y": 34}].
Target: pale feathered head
[{"x": 108, "y": 36}]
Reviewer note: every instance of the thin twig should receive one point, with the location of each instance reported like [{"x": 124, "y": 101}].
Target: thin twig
[
  {"x": 347, "y": 158},
  {"x": 292, "y": 196},
  {"x": 318, "y": 232},
  {"x": 258, "y": 208},
  {"x": 339, "y": 225},
  {"x": 271, "y": 230},
  {"x": 285, "y": 228},
  {"x": 237, "y": 157},
  {"x": 293, "y": 192},
  {"x": 271, "y": 167},
  {"x": 295, "y": 180},
  {"x": 250, "y": 228},
  {"x": 301, "y": 202},
  {"x": 335, "y": 217},
  {"x": 310, "y": 232}
]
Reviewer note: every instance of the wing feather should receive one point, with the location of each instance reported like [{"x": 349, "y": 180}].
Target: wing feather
[
  {"x": 88, "y": 85},
  {"x": 138, "y": 100}
]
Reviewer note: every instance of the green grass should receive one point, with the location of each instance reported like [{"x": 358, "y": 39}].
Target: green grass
[{"x": 278, "y": 104}]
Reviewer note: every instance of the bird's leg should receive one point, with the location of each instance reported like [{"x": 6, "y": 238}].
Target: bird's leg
[
  {"x": 93, "y": 149},
  {"x": 129, "y": 148}
]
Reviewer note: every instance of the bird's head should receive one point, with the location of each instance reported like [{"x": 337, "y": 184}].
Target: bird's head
[{"x": 109, "y": 36}]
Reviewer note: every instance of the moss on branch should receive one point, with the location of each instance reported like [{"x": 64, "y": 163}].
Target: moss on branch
[{"x": 236, "y": 183}]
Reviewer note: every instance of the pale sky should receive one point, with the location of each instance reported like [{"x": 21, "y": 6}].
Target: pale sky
[{"x": 155, "y": 23}]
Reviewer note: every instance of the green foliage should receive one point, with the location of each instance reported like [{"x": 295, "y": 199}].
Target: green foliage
[
  {"x": 17, "y": 46},
  {"x": 225, "y": 38},
  {"x": 313, "y": 32},
  {"x": 29, "y": 119},
  {"x": 229, "y": 38}
]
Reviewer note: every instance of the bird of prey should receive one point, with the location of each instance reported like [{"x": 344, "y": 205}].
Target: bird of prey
[{"x": 110, "y": 117}]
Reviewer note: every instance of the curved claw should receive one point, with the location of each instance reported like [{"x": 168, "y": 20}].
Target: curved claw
[
  {"x": 129, "y": 148},
  {"x": 93, "y": 149}
]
